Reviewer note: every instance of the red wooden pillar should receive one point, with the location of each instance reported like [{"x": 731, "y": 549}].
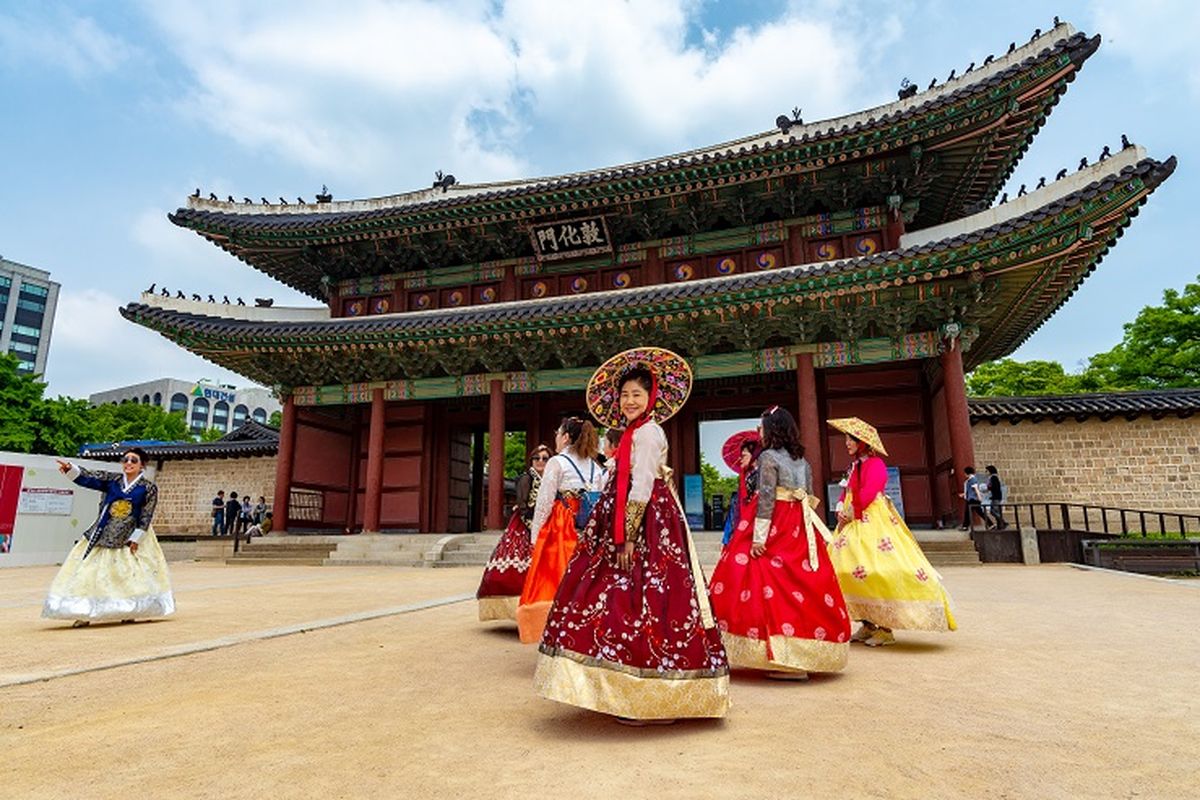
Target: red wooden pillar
[
  {"x": 495, "y": 499},
  {"x": 374, "y": 487},
  {"x": 811, "y": 434},
  {"x": 283, "y": 467},
  {"x": 958, "y": 417}
]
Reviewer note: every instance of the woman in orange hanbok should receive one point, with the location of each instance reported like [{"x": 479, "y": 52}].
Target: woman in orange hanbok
[
  {"x": 567, "y": 477},
  {"x": 886, "y": 579}
]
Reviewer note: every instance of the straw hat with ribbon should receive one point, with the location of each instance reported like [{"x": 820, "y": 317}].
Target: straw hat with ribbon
[{"x": 860, "y": 430}]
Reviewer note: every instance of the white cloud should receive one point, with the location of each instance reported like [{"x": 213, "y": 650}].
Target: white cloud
[
  {"x": 1157, "y": 37},
  {"x": 387, "y": 92},
  {"x": 60, "y": 39},
  {"x": 93, "y": 348}
]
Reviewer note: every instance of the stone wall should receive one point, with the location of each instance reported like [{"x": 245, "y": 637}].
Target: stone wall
[
  {"x": 1140, "y": 464},
  {"x": 186, "y": 489}
]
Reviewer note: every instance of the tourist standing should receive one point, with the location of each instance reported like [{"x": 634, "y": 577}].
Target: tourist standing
[
  {"x": 886, "y": 579},
  {"x": 612, "y": 441},
  {"x": 995, "y": 490},
  {"x": 116, "y": 571},
  {"x": 568, "y": 477},
  {"x": 246, "y": 517},
  {"x": 218, "y": 513},
  {"x": 260, "y": 510},
  {"x": 774, "y": 592},
  {"x": 233, "y": 510},
  {"x": 504, "y": 576},
  {"x": 631, "y": 633}
]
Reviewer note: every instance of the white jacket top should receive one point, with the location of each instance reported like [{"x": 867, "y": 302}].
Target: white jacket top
[{"x": 560, "y": 477}]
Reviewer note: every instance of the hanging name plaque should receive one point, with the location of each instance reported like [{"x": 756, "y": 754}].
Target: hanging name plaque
[{"x": 570, "y": 238}]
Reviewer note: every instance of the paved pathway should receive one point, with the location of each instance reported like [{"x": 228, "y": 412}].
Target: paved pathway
[{"x": 375, "y": 682}]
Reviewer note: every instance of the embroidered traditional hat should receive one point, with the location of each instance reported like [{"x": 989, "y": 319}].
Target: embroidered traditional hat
[
  {"x": 860, "y": 430},
  {"x": 731, "y": 451},
  {"x": 671, "y": 372}
]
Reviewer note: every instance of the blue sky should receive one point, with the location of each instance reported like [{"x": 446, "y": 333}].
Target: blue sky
[{"x": 114, "y": 112}]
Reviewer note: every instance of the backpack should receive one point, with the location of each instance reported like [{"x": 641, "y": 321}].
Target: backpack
[{"x": 587, "y": 498}]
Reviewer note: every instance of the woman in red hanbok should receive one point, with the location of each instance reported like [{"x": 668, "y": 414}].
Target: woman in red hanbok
[
  {"x": 631, "y": 633},
  {"x": 568, "y": 475},
  {"x": 504, "y": 575},
  {"x": 774, "y": 591}
]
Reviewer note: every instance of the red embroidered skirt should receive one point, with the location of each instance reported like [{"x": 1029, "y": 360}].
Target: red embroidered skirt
[
  {"x": 504, "y": 575},
  {"x": 637, "y": 643},
  {"x": 775, "y": 611}
]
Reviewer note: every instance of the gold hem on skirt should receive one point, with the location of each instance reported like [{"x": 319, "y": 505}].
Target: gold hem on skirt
[
  {"x": 790, "y": 653},
  {"x": 905, "y": 615},
  {"x": 531, "y": 620},
  {"x": 621, "y": 694},
  {"x": 498, "y": 608}
]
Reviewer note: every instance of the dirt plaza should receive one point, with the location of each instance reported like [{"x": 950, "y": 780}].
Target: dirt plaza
[{"x": 355, "y": 682}]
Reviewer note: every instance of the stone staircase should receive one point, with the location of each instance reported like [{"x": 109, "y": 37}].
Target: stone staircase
[
  {"x": 294, "y": 551},
  {"x": 948, "y": 548},
  {"x": 943, "y": 548}
]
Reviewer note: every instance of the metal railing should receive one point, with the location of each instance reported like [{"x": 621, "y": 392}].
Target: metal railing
[{"x": 1095, "y": 519}]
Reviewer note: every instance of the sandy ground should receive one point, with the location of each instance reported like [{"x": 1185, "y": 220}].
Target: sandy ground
[{"x": 1061, "y": 683}]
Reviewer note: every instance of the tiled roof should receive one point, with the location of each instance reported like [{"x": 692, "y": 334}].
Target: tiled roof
[
  {"x": 421, "y": 324},
  {"x": 1128, "y": 405},
  {"x": 251, "y": 439},
  {"x": 978, "y": 125}
]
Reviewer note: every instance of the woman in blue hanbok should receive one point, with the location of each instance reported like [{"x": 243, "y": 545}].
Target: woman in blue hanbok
[{"x": 117, "y": 570}]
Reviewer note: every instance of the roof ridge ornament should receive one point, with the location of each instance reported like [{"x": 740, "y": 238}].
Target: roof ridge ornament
[
  {"x": 784, "y": 124},
  {"x": 443, "y": 181},
  {"x": 324, "y": 196}
]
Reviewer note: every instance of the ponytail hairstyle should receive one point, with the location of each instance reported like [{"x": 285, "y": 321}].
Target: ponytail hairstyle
[
  {"x": 780, "y": 431},
  {"x": 582, "y": 436}
]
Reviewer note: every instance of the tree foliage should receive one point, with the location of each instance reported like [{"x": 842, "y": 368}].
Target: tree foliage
[
  {"x": 30, "y": 423},
  {"x": 1160, "y": 350},
  {"x": 715, "y": 483}
]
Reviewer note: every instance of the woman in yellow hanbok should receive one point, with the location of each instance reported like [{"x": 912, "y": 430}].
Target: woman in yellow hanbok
[
  {"x": 117, "y": 570},
  {"x": 886, "y": 579}
]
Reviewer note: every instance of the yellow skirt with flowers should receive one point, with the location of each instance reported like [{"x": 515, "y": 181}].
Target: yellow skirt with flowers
[
  {"x": 885, "y": 577},
  {"x": 112, "y": 583}
]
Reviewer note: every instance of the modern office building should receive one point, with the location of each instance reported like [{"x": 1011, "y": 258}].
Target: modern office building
[
  {"x": 28, "y": 299},
  {"x": 205, "y": 404}
]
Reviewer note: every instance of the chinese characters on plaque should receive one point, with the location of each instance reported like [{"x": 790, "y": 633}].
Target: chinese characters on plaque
[{"x": 570, "y": 238}]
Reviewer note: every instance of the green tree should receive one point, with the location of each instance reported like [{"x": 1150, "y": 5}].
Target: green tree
[
  {"x": 63, "y": 425},
  {"x": 128, "y": 421},
  {"x": 276, "y": 419},
  {"x": 1160, "y": 349},
  {"x": 716, "y": 483},
  {"x": 211, "y": 434},
  {"x": 20, "y": 402},
  {"x": 1011, "y": 378}
]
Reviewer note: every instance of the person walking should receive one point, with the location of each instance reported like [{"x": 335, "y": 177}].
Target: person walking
[
  {"x": 886, "y": 580},
  {"x": 774, "y": 591},
  {"x": 972, "y": 495},
  {"x": 995, "y": 490},
  {"x": 570, "y": 475},
  {"x": 218, "y": 513}
]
